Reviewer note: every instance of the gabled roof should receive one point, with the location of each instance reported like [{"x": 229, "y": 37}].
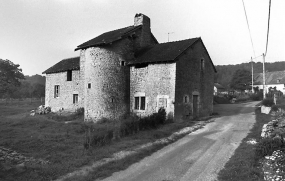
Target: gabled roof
[
  {"x": 165, "y": 52},
  {"x": 110, "y": 37},
  {"x": 64, "y": 65},
  {"x": 270, "y": 78}
]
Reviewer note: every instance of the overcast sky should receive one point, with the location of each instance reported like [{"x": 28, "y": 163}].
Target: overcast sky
[{"x": 39, "y": 33}]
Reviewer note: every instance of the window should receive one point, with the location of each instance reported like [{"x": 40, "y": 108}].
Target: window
[
  {"x": 202, "y": 64},
  {"x": 89, "y": 85},
  {"x": 56, "y": 91},
  {"x": 122, "y": 63},
  {"x": 69, "y": 75},
  {"x": 75, "y": 98},
  {"x": 162, "y": 102},
  {"x": 186, "y": 99},
  {"x": 140, "y": 103}
]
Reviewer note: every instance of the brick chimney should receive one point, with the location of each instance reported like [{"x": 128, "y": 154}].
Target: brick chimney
[{"x": 145, "y": 35}]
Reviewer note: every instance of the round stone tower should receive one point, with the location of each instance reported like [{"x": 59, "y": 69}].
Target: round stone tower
[
  {"x": 106, "y": 83},
  {"x": 104, "y": 71}
]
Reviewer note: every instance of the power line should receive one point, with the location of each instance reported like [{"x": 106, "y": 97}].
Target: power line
[
  {"x": 248, "y": 61},
  {"x": 268, "y": 27},
  {"x": 248, "y": 28}
]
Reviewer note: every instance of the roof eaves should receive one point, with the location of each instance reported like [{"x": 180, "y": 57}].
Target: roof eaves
[
  {"x": 151, "y": 62},
  {"x": 58, "y": 71}
]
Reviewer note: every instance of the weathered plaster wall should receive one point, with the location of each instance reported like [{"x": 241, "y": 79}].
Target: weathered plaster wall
[
  {"x": 156, "y": 81},
  {"x": 190, "y": 80},
  {"x": 108, "y": 96},
  {"x": 66, "y": 91}
]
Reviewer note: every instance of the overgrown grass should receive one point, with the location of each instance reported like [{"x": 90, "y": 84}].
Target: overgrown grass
[
  {"x": 244, "y": 164},
  {"x": 49, "y": 138}
]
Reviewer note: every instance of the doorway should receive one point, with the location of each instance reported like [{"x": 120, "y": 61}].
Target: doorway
[{"x": 195, "y": 106}]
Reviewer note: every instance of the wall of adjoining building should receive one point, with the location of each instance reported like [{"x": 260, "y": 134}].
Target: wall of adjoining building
[
  {"x": 66, "y": 91},
  {"x": 191, "y": 80},
  {"x": 154, "y": 81}
]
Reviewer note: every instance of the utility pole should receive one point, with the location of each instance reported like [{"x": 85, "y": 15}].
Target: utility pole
[
  {"x": 264, "y": 91},
  {"x": 251, "y": 75},
  {"x": 168, "y": 34}
]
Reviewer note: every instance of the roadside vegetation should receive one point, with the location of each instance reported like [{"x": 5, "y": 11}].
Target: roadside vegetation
[
  {"x": 67, "y": 143},
  {"x": 247, "y": 161}
]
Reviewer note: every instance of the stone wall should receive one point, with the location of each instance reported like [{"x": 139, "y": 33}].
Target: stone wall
[
  {"x": 191, "y": 80},
  {"x": 66, "y": 91},
  {"x": 154, "y": 81}
]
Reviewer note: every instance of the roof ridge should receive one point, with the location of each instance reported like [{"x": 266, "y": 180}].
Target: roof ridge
[
  {"x": 70, "y": 58},
  {"x": 117, "y": 29},
  {"x": 180, "y": 40}
]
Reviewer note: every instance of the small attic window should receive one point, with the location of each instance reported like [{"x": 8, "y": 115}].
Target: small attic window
[
  {"x": 123, "y": 63},
  {"x": 278, "y": 80},
  {"x": 69, "y": 75},
  {"x": 202, "y": 64},
  {"x": 89, "y": 85}
]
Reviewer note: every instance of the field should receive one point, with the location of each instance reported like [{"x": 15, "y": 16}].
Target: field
[{"x": 57, "y": 148}]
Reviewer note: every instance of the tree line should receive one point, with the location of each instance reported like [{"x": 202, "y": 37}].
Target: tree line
[
  {"x": 225, "y": 73},
  {"x": 13, "y": 83}
]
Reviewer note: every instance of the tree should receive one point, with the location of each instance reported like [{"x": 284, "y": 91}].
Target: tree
[
  {"x": 241, "y": 80},
  {"x": 38, "y": 90},
  {"x": 10, "y": 76}
]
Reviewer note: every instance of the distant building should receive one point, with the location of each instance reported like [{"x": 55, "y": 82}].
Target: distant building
[
  {"x": 218, "y": 88},
  {"x": 127, "y": 70},
  {"x": 272, "y": 79}
]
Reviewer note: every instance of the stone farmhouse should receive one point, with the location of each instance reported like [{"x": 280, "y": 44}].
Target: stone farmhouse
[
  {"x": 272, "y": 79},
  {"x": 127, "y": 70}
]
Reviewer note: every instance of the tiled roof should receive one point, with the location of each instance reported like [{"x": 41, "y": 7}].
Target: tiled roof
[
  {"x": 163, "y": 52},
  {"x": 64, "y": 65},
  {"x": 270, "y": 78},
  {"x": 108, "y": 37}
]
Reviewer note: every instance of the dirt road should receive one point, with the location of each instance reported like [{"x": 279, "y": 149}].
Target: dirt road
[{"x": 199, "y": 155}]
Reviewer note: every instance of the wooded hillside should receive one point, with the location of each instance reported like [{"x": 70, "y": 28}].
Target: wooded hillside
[{"x": 225, "y": 72}]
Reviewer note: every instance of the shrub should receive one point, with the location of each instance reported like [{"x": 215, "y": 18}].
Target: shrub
[
  {"x": 257, "y": 96},
  {"x": 161, "y": 116},
  {"x": 100, "y": 133},
  {"x": 221, "y": 100},
  {"x": 268, "y": 102},
  {"x": 267, "y": 146},
  {"x": 274, "y": 108},
  {"x": 129, "y": 126},
  {"x": 79, "y": 111},
  {"x": 105, "y": 130}
]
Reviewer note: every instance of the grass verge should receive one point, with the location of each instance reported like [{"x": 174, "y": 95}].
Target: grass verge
[{"x": 43, "y": 137}]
